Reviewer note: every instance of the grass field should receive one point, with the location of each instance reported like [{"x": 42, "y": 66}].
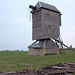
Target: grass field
[{"x": 19, "y": 60}]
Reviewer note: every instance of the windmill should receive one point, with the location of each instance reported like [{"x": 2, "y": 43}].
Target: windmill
[{"x": 46, "y": 22}]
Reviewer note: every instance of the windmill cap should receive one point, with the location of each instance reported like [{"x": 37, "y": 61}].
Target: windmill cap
[{"x": 46, "y": 6}]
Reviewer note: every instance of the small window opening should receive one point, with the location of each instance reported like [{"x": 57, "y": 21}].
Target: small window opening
[
  {"x": 47, "y": 14},
  {"x": 49, "y": 26}
]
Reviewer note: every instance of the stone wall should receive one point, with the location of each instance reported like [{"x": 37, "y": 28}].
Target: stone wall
[
  {"x": 42, "y": 52},
  {"x": 37, "y": 52},
  {"x": 53, "y": 51}
]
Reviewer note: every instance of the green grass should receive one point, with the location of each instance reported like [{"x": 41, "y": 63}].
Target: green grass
[{"x": 19, "y": 60}]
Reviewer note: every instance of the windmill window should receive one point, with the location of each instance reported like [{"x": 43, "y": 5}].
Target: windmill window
[
  {"x": 49, "y": 27},
  {"x": 47, "y": 14}
]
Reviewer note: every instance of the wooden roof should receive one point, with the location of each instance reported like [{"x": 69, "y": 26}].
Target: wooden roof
[{"x": 46, "y": 6}]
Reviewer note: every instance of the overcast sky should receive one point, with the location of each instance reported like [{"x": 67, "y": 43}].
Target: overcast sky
[{"x": 16, "y": 30}]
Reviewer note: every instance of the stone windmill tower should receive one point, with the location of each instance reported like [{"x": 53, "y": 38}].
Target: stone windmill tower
[{"x": 46, "y": 21}]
